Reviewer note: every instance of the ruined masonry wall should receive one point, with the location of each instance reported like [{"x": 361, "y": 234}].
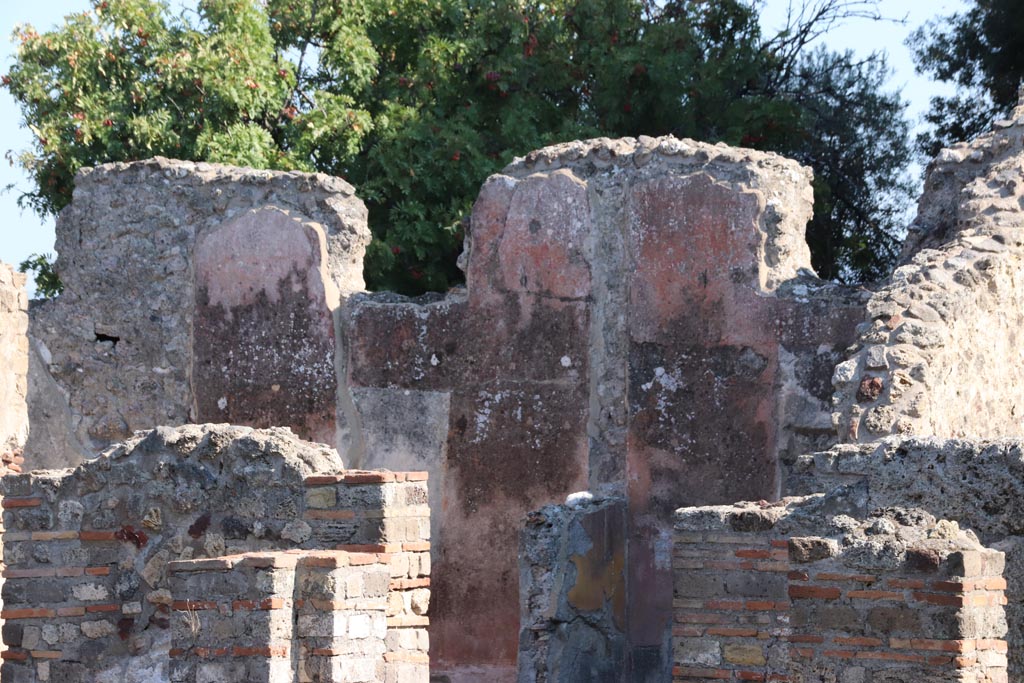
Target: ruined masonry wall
[
  {"x": 88, "y": 592},
  {"x": 294, "y": 616},
  {"x": 638, "y": 322},
  {"x": 156, "y": 261},
  {"x": 800, "y": 591},
  {"x": 980, "y": 484},
  {"x": 13, "y": 364},
  {"x": 940, "y": 353}
]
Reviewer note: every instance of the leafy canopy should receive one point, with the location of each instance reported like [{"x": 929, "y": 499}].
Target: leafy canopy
[
  {"x": 980, "y": 51},
  {"x": 416, "y": 102}
]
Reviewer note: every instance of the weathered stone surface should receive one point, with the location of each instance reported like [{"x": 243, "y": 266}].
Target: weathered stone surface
[
  {"x": 118, "y": 341},
  {"x": 812, "y": 593},
  {"x": 572, "y": 582},
  {"x": 639, "y": 329},
  {"x": 938, "y": 352},
  {"x": 13, "y": 362},
  {"x": 980, "y": 484},
  {"x": 263, "y": 333},
  {"x": 92, "y": 551}
]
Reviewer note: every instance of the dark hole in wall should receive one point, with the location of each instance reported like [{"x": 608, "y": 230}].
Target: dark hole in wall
[{"x": 107, "y": 338}]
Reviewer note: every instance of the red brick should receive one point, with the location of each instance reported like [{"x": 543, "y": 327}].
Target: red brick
[
  {"x": 28, "y": 613},
  {"x": 46, "y": 654},
  {"x": 805, "y": 639},
  {"x": 905, "y": 583},
  {"x": 753, "y": 554},
  {"x": 37, "y": 573},
  {"x": 70, "y": 611},
  {"x": 856, "y": 578},
  {"x": 816, "y": 592},
  {"x": 417, "y": 476},
  {"x": 952, "y": 586},
  {"x": 959, "y": 646},
  {"x": 14, "y": 655},
  {"x": 797, "y": 576},
  {"x": 724, "y": 604},
  {"x": 357, "y": 477},
  {"x": 97, "y": 571},
  {"x": 990, "y": 644},
  {"x": 32, "y": 502},
  {"x": 858, "y": 641},
  {"x": 875, "y": 595},
  {"x": 96, "y": 536},
  {"x": 103, "y": 608},
  {"x": 939, "y": 599},
  {"x": 415, "y": 657},
  {"x": 323, "y": 479}
]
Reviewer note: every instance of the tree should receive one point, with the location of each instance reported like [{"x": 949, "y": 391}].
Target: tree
[
  {"x": 858, "y": 143},
  {"x": 416, "y": 102},
  {"x": 981, "y": 51}
]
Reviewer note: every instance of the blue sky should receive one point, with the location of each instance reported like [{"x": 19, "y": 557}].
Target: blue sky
[{"x": 23, "y": 233}]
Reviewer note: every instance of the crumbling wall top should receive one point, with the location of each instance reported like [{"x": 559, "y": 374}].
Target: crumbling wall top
[
  {"x": 937, "y": 352},
  {"x": 783, "y": 185}
]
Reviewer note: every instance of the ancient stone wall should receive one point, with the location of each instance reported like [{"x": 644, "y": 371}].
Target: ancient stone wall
[
  {"x": 980, "y": 484},
  {"x": 13, "y": 365},
  {"x": 88, "y": 593},
  {"x": 194, "y": 293},
  {"x": 940, "y": 352},
  {"x": 639, "y": 320},
  {"x": 802, "y": 591},
  {"x": 572, "y": 583},
  {"x": 293, "y": 616}
]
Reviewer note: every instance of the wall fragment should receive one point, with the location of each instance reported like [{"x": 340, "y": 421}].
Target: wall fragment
[
  {"x": 89, "y": 595},
  {"x": 118, "y": 342},
  {"x": 13, "y": 365},
  {"x": 800, "y": 590},
  {"x": 938, "y": 352}
]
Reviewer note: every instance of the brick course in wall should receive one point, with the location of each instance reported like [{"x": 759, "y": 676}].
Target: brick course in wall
[
  {"x": 800, "y": 591},
  {"x": 93, "y": 552},
  {"x": 288, "y": 616}
]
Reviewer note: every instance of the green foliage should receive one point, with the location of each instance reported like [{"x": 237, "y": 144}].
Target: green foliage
[
  {"x": 981, "y": 51},
  {"x": 48, "y": 285},
  {"x": 416, "y": 102},
  {"x": 855, "y": 138}
]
